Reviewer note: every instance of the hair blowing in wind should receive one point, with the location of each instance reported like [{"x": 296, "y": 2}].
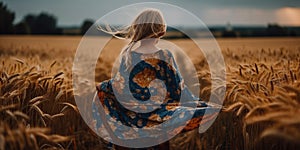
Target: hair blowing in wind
[{"x": 148, "y": 24}]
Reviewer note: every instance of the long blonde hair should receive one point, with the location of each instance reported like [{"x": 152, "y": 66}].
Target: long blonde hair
[{"x": 148, "y": 24}]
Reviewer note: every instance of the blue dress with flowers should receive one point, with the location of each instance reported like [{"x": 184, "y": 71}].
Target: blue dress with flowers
[{"x": 150, "y": 96}]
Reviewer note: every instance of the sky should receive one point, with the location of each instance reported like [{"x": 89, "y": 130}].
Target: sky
[{"x": 211, "y": 12}]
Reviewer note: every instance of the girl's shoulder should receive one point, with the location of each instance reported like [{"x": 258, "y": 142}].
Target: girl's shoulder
[{"x": 167, "y": 52}]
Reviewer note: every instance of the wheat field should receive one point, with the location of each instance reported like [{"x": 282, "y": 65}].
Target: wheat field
[{"x": 261, "y": 107}]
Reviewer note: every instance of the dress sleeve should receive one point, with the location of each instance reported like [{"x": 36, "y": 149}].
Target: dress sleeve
[
  {"x": 185, "y": 91},
  {"x": 118, "y": 79}
]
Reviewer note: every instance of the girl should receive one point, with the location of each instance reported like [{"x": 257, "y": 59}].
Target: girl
[{"x": 148, "y": 89}]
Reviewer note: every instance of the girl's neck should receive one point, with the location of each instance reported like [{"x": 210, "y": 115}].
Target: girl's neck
[
  {"x": 149, "y": 41},
  {"x": 148, "y": 46}
]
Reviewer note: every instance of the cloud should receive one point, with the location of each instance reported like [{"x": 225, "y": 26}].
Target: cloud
[
  {"x": 288, "y": 16},
  {"x": 240, "y": 16}
]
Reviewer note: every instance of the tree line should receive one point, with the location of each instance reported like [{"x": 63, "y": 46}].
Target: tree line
[{"x": 42, "y": 23}]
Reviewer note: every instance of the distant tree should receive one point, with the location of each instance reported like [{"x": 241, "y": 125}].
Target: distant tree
[
  {"x": 292, "y": 33},
  {"x": 229, "y": 34},
  {"x": 86, "y": 25},
  {"x": 276, "y": 30},
  {"x": 41, "y": 24},
  {"x": 30, "y": 21},
  {"x": 258, "y": 32},
  {"x": 6, "y": 20},
  {"x": 45, "y": 24},
  {"x": 22, "y": 28}
]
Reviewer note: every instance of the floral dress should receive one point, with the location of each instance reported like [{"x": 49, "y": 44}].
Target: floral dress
[{"x": 150, "y": 97}]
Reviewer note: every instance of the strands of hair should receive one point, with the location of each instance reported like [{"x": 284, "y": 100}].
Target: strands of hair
[{"x": 148, "y": 24}]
